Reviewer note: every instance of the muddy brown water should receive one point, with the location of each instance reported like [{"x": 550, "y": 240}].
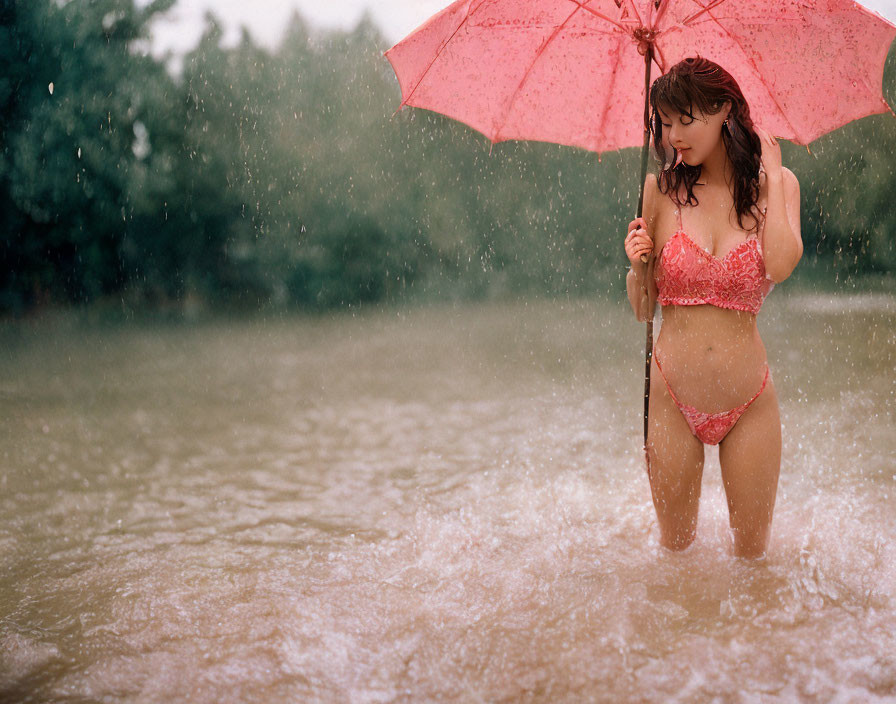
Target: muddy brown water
[{"x": 438, "y": 504}]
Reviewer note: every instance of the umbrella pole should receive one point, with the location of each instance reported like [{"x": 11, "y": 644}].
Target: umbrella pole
[{"x": 648, "y": 353}]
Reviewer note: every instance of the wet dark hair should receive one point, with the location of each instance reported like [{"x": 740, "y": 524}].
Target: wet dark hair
[{"x": 698, "y": 83}]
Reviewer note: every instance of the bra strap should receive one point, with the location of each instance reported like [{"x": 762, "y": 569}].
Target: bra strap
[
  {"x": 760, "y": 236},
  {"x": 765, "y": 208}
]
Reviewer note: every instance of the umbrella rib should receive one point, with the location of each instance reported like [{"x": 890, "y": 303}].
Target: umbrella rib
[
  {"x": 659, "y": 58},
  {"x": 660, "y": 13},
  {"x": 541, "y": 50},
  {"x": 605, "y": 108},
  {"x": 634, "y": 7},
  {"x": 600, "y": 15},
  {"x": 439, "y": 52},
  {"x": 756, "y": 71},
  {"x": 706, "y": 9}
]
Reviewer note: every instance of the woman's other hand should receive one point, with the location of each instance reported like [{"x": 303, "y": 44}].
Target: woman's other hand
[{"x": 771, "y": 151}]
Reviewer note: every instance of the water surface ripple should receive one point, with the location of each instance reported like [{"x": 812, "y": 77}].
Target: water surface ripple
[{"x": 444, "y": 504}]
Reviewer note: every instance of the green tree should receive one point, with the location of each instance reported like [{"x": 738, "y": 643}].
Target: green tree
[
  {"x": 847, "y": 185},
  {"x": 282, "y": 176},
  {"x": 76, "y": 87}
]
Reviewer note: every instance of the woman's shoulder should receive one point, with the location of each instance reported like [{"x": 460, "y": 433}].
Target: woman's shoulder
[
  {"x": 651, "y": 188},
  {"x": 660, "y": 199},
  {"x": 655, "y": 199},
  {"x": 659, "y": 212}
]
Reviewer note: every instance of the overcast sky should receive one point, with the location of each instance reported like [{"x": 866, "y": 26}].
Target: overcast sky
[{"x": 181, "y": 27}]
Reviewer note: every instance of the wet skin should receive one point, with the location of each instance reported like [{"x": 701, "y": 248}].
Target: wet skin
[{"x": 713, "y": 358}]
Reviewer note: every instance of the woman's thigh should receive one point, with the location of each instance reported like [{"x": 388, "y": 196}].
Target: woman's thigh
[
  {"x": 750, "y": 458},
  {"x": 675, "y": 466}
]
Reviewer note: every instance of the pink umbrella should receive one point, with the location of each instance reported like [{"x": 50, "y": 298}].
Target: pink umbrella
[
  {"x": 577, "y": 72},
  {"x": 572, "y": 71}
]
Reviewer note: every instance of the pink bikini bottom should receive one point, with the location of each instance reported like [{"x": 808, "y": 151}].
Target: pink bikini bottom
[{"x": 710, "y": 428}]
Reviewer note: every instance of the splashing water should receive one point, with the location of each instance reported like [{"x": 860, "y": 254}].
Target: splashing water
[{"x": 444, "y": 504}]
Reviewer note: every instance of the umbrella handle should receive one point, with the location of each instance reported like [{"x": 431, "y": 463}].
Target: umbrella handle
[
  {"x": 648, "y": 356},
  {"x": 648, "y": 347}
]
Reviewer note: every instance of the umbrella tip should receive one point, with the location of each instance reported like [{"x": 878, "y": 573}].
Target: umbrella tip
[{"x": 400, "y": 107}]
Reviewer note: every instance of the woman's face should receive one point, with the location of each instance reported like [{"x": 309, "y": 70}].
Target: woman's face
[{"x": 695, "y": 137}]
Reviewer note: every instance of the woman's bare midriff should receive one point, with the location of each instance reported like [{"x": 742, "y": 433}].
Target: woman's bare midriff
[{"x": 713, "y": 358}]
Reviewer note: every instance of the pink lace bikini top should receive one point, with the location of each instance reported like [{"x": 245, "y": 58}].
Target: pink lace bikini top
[{"x": 688, "y": 275}]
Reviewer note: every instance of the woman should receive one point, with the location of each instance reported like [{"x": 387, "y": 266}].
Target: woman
[{"x": 720, "y": 226}]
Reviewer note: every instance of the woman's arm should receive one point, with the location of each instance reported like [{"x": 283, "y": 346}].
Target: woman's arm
[
  {"x": 782, "y": 243},
  {"x": 639, "y": 282}
]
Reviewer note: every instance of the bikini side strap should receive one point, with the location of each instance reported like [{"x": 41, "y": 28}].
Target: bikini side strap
[
  {"x": 761, "y": 234},
  {"x": 749, "y": 403},
  {"x": 665, "y": 380}
]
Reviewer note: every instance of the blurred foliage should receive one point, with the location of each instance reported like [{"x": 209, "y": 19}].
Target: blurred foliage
[
  {"x": 72, "y": 94},
  {"x": 848, "y": 191},
  {"x": 260, "y": 177}
]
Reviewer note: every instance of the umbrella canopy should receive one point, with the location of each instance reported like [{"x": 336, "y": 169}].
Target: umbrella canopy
[
  {"x": 577, "y": 72},
  {"x": 572, "y": 71}
]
